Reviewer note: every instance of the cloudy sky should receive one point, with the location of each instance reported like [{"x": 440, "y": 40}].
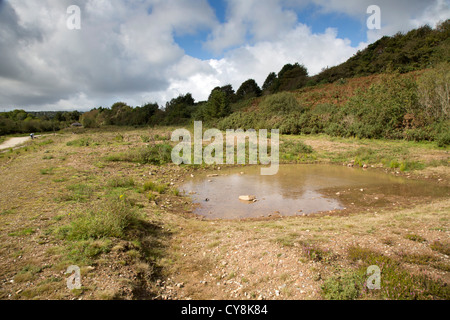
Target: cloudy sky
[{"x": 154, "y": 50}]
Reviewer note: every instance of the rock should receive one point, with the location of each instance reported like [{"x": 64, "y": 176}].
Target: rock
[
  {"x": 247, "y": 198},
  {"x": 365, "y": 166},
  {"x": 213, "y": 175}
]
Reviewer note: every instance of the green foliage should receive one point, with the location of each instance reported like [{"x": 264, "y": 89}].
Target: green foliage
[
  {"x": 248, "y": 89},
  {"x": 121, "y": 182},
  {"x": 83, "y": 142},
  {"x": 158, "y": 154},
  {"x": 218, "y": 106},
  {"x": 343, "y": 287},
  {"x": 280, "y": 104},
  {"x": 20, "y": 121},
  {"x": 152, "y": 186},
  {"x": 434, "y": 91},
  {"x": 416, "y": 50}
]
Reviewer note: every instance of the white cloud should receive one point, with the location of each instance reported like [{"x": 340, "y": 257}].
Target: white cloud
[
  {"x": 126, "y": 50},
  {"x": 298, "y": 45}
]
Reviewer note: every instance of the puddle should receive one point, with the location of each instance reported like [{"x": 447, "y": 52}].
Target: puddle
[{"x": 299, "y": 189}]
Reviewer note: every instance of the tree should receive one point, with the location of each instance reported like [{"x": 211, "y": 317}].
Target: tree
[
  {"x": 270, "y": 83},
  {"x": 228, "y": 90},
  {"x": 218, "y": 106},
  {"x": 179, "y": 109},
  {"x": 249, "y": 89}
]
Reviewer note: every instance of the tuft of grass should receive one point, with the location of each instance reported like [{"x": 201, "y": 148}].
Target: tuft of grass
[
  {"x": 159, "y": 154},
  {"x": 152, "y": 186},
  {"x": 415, "y": 237},
  {"x": 121, "y": 182},
  {"x": 22, "y": 232},
  {"x": 83, "y": 142},
  {"x": 79, "y": 192},
  {"x": 47, "y": 171},
  {"x": 396, "y": 282},
  {"x": 315, "y": 253},
  {"x": 110, "y": 219},
  {"x": 440, "y": 247}
]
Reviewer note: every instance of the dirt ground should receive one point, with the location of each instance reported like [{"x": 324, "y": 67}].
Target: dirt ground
[{"x": 191, "y": 257}]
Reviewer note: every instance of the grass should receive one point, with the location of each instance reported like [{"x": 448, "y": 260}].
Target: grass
[
  {"x": 156, "y": 187},
  {"x": 79, "y": 193},
  {"x": 396, "y": 282},
  {"x": 83, "y": 142},
  {"x": 415, "y": 237},
  {"x": 100, "y": 221},
  {"x": 159, "y": 154},
  {"x": 121, "y": 182},
  {"x": 22, "y": 232},
  {"x": 109, "y": 219}
]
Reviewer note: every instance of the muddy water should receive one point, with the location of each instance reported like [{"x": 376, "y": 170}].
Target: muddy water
[{"x": 300, "y": 189}]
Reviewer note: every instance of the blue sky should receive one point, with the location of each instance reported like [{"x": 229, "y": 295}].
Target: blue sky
[
  {"x": 154, "y": 50},
  {"x": 349, "y": 27}
]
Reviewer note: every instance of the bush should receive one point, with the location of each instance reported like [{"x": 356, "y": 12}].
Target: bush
[
  {"x": 443, "y": 139},
  {"x": 433, "y": 90},
  {"x": 281, "y": 103}
]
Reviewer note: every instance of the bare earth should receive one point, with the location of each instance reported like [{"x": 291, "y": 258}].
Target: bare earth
[
  {"x": 13, "y": 142},
  {"x": 193, "y": 258}
]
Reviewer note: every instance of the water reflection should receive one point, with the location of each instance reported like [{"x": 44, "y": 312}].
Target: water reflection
[{"x": 296, "y": 189}]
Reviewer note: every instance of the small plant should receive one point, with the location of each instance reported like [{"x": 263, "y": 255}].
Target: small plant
[
  {"x": 151, "y": 186},
  {"x": 440, "y": 247},
  {"x": 415, "y": 237},
  {"x": 47, "y": 171},
  {"x": 121, "y": 182},
  {"x": 83, "y": 142}
]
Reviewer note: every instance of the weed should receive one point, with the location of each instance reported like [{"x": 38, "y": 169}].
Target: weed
[
  {"x": 440, "y": 247},
  {"x": 121, "y": 182},
  {"x": 22, "y": 232},
  {"x": 415, "y": 237},
  {"x": 151, "y": 186},
  {"x": 83, "y": 142},
  {"x": 47, "y": 171}
]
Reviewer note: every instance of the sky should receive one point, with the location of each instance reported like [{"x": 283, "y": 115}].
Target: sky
[{"x": 146, "y": 51}]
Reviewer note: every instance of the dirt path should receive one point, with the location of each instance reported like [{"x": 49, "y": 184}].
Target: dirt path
[{"x": 13, "y": 142}]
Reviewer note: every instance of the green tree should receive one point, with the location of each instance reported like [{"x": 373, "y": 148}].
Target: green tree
[
  {"x": 218, "y": 106},
  {"x": 249, "y": 89}
]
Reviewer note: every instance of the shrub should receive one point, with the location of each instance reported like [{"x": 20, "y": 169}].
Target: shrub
[
  {"x": 443, "y": 139},
  {"x": 281, "y": 103}
]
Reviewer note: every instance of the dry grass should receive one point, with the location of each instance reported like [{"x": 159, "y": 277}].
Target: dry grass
[{"x": 288, "y": 258}]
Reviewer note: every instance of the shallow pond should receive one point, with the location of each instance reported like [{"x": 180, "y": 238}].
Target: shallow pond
[{"x": 300, "y": 189}]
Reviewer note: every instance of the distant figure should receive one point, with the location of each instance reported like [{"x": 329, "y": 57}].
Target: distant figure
[{"x": 32, "y": 136}]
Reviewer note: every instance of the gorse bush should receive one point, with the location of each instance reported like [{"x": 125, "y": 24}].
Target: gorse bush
[{"x": 280, "y": 103}]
